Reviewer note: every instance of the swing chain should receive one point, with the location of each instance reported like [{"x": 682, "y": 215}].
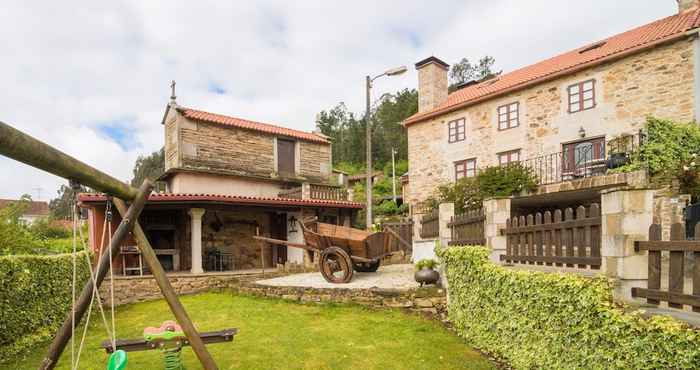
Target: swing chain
[{"x": 108, "y": 209}]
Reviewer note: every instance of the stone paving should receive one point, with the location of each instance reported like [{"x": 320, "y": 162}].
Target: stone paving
[{"x": 398, "y": 277}]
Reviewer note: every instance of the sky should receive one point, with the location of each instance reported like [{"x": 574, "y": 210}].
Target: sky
[{"x": 92, "y": 78}]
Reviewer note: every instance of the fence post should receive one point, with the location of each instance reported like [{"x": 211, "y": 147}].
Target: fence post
[
  {"x": 445, "y": 213},
  {"x": 305, "y": 190},
  {"x": 497, "y": 213},
  {"x": 626, "y": 215}
]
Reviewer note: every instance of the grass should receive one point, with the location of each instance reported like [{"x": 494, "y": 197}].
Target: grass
[{"x": 275, "y": 334}]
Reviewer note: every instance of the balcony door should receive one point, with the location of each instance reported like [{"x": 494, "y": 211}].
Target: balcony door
[
  {"x": 285, "y": 157},
  {"x": 583, "y": 158}
]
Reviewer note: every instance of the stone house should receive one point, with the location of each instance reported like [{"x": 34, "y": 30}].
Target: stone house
[
  {"x": 227, "y": 179},
  {"x": 34, "y": 211},
  {"x": 564, "y": 117}
]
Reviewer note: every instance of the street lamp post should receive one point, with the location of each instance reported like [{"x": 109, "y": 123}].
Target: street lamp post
[{"x": 392, "y": 72}]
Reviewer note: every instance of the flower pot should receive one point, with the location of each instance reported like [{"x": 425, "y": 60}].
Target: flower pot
[
  {"x": 618, "y": 160},
  {"x": 426, "y": 276}
]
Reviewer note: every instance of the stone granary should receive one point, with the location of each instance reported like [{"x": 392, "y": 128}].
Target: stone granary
[{"x": 226, "y": 179}]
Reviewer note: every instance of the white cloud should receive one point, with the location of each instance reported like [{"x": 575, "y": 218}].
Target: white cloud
[{"x": 67, "y": 67}]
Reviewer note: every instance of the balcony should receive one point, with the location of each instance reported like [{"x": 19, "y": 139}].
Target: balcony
[
  {"x": 584, "y": 158},
  {"x": 317, "y": 191}
]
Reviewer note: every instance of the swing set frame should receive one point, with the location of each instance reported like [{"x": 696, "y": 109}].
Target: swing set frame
[{"x": 26, "y": 149}]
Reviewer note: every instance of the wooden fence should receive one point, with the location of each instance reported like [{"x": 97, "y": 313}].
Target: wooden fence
[
  {"x": 430, "y": 225},
  {"x": 468, "y": 228},
  {"x": 676, "y": 248},
  {"x": 403, "y": 230},
  {"x": 328, "y": 192},
  {"x": 543, "y": 240}
]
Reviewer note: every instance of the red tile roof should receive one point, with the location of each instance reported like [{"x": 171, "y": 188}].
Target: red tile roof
[
  {"x": 251, "y": 125},
  {"x": 231, "y": 199},
  {"x": 35, "y": 208},
  {"x": 637, "y": 39}
]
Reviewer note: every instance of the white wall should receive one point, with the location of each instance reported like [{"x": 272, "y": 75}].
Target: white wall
[{"x": 295, "y": 255}]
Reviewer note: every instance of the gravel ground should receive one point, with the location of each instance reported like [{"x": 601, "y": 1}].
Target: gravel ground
[{"x": 387, "y": 277}]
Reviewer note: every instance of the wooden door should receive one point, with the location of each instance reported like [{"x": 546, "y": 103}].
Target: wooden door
[
  {"x": 581, "y": 156},
  {"x": 278, "y": 230},
  {"x": 285, "y": 157}
]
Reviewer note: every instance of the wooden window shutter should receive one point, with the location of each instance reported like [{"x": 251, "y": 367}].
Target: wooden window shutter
[{"x": 285, "y": 157}]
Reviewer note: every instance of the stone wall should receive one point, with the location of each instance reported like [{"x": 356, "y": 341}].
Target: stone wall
[
  {"x": 235, "y": 235},
  {"x": 430, "y": 301},
  {"x": 131, "y": 289},
  {"x": 656, "y": 82}
]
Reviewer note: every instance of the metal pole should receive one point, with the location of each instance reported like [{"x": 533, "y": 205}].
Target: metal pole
[
  {"x": 393, "y": 173},
  {"x": 169, "y": 293},
  {"x": 81, "y": 305},
  {"x": 368, "y": 127},
  {"x": 24, "y": 148}
]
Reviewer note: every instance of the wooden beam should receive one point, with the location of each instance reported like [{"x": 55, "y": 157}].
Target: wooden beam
[
  {"x": 169, "y": 294},
  {"x": 133, "y": 345},
  {"x": 64, "y": 333},
  {"x": 26, "y": 149}
]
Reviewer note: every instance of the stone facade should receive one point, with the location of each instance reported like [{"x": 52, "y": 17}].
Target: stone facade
[
  {"x": 229, "y": 150},
  {"x": 658, "y": 82}
]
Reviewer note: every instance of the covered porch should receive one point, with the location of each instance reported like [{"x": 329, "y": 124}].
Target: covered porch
[{"x": 200, "y": 234}]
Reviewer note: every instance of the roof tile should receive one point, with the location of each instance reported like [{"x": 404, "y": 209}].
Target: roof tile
[
  {"x": 232, "y": 199},
  {"x": 250, "y": 125},
  {"x": 637, "y": 38}
]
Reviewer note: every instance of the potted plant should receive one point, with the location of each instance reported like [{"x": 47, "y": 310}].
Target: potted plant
[
  {"x": 619, "y": 148},
  {"x": 425, "y": 272}
]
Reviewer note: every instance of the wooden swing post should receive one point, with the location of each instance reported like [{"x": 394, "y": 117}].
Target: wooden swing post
[
  {"x": 149, "y": 256},
  {"x": 83, "y": 302},
  {"x": 24, "y": 148}
]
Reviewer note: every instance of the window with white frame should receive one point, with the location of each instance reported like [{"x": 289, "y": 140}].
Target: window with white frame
[
  {"x": 509, "y": 116},
  {"x": 582, "y": 96}
]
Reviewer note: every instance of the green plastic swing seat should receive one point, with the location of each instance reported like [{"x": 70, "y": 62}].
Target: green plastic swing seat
[{"x": 117, "y": 360}]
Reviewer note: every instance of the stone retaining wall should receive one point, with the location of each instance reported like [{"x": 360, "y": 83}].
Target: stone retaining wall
[
  {"x": 428, "y": 301},
  {"x": 131, "y": 289}
]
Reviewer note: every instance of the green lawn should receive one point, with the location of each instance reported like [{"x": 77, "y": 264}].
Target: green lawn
[{"x": 275, "y": 334}]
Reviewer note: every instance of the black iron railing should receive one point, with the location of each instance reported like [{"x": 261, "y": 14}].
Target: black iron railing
[{"x": 584, "y": 158}]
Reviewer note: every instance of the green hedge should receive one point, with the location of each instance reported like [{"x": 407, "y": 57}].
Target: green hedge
[
  {"x": 537, "y": 320},
  {"x": 35, "y": 297}
]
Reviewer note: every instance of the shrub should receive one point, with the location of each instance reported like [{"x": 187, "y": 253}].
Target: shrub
[
  {"x": 427, "y": 263},
  {"x": 48, "y": 228},
  {"x": 539, "y": 320},
  {"x": 669, "y": 152},
  {"x": 469, "y": 192},
  {"x": 35, "y": 292}
]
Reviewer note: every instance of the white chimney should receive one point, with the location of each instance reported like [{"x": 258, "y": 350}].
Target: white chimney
[
  {"x": 432, "y": 83},
  {"x": 687, "y": 5}
]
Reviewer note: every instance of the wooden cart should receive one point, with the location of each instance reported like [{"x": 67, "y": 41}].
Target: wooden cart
[{"x": 344, "y": 250}]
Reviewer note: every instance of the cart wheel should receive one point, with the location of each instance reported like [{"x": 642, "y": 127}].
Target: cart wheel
[
  {"x": 335, "y": 265},
  {"x": 367, "y": 266}
]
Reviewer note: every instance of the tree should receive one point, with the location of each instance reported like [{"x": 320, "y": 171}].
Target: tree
[
  {"x": 148, "y": 167},
  {"x": 61, "y": 206},
  {"x": 348, "y": 133},
  {"x": 463, "y": 71}
]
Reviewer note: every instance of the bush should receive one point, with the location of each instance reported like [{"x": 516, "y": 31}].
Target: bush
[
  {"x": 539, "y": 320},
  {"x": 427, "y": 263},
  {"x": 35, "y": 292},
  {"x": 469, "y": 192},
  {"x": 15, "y": 236},
  {"x": 670, "y": 152},
  {"x": 47, "y": 228}
]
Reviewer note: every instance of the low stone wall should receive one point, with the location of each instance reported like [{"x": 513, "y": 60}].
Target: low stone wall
[
  {"x": 131, "y": 289},
  {"x": 428, "y": 301}
]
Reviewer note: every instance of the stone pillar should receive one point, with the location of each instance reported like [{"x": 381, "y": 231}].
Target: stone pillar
[
  {"x": 305, "y": 190},
  {"x": 626, "y": 215},
  {"x": 196, "y": 243},
  {"x": 445, "y": 214},
  {"x": 497, "y": 212}
]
